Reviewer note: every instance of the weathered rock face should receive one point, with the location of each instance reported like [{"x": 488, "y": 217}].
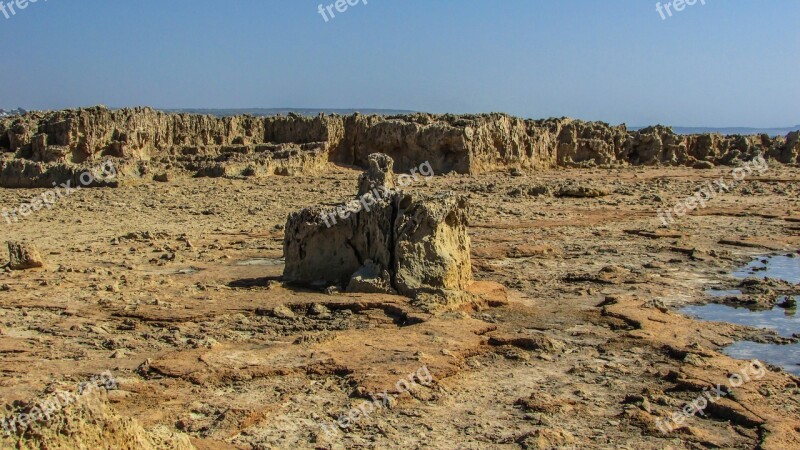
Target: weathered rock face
[
  {"x": 432, "y": 247},
  {"x": 394, "y": 242},
  {"x": 379, "y": 174},
  {"x": 318, "y": 255},
  {"x": 24, "y": 256},
  {"x": 48, "y": 147},
  {"x": 90, "y": 422},
  {"x": 252, "y": 146}
]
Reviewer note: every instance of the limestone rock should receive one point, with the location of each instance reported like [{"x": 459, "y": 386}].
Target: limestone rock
[
  {"x": 379, "y": 174},
  {"x": 411, "y": 244},
  {"x": 45, "y": 147},
  {"x": 24, "y": 256},
  {"x": 89, "y": 422},
  {"x": 703, "y": 165},
  {"x": 370, "y": 279},
  {"x": 578, "y": 190},
  {"x": 324, "y": 247},
  {"x": 432, "y": 247}
]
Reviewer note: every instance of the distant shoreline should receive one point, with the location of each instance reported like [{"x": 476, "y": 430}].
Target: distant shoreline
[{"x": 730, "y": 131}]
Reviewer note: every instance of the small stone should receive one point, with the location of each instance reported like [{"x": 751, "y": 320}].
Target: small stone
[
  {"x": 144, "y": 367},
  {"x": 576, "y": 190},
  {"x": 538, "y": 190},
  {"x": 318, "y": 309},
  {"x": 788, "y": 303},
  {"x": 332, "y": 290},
  {"x": 283, "y": 312},
  {"x": 370, "y": 279},
  {"x": 703, "y": 165}
]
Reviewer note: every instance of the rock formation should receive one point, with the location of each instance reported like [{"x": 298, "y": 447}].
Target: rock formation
[
  {"x": 379, "y": 174},
  {"x": 89, "y": 423},
  {"x": 24, "y": 256},
  {"x": 37, "y": 148},
  {"x": 391, "y": 242}
]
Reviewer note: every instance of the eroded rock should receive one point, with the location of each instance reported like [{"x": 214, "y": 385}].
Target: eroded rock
[
  {"x": 46, "y": 147},
  {"x": 399, "y": 242},
  {"x": 24, "y": 256},
  {"x": 371, "y": 279},
  {"x": 379, "y": 174},
  {"x": 432, "y": 248},
  {"x": 89, "y": 422}
]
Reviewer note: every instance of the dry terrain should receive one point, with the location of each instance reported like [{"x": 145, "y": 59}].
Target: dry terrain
[{"x": 572, "y": 342}]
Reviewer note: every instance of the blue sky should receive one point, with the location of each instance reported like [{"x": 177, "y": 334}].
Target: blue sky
[{"x": 725, "y": 63}]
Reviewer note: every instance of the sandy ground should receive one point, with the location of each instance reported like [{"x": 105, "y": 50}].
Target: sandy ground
[{"x": 174, "y": 288}]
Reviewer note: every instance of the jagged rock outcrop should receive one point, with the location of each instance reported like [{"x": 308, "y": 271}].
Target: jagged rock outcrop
[
  {"x": 151, "y": 140},
  {"x": 24, "y": 256},
  {"x": 54, "y": 146},
  {"x": 432, "y": 247},
  {"x": 379, "y": 174},
  {"x": 89, "y": 423},
  {"x": 393, "y": 241}
]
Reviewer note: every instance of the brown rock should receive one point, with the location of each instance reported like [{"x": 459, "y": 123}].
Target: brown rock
[
  {"x": 58, "y": 144},
  {"x": 24, "y": 256},
  {"x": 581, "y": 191},
  {"x": 411, "y": 244},
  {"x": 379, "y": 174}
]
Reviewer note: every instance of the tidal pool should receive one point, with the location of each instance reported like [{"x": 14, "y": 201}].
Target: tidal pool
[
  {"x": 783, "y": 267},
  {"x": 785, "y": 322}
]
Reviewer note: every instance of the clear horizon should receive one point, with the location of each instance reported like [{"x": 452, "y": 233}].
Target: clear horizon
[{"x": 720, "y": 65}]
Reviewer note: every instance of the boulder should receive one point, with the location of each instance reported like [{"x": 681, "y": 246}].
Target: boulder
[
  {"x": 371, "y": 279},
  {"x": 393, "y": 241},
  {"x": 24, "y": 256},
  {"x": 432, "y": 248}
]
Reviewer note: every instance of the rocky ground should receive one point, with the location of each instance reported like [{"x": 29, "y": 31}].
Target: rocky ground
[{"x": 175, "y": 289}]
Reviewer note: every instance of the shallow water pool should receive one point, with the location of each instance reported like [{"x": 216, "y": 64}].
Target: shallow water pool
[{"x": 785, "y": 322}]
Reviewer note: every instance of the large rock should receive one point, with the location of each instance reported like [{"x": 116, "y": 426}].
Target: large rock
[
  {"x": 411, "y": 244},
  {"x": 24, "y": 256},
  {"x": 432, "y": 247},
  {"x": 88, "y": 422},
  {"x": 317, "y": 254}
]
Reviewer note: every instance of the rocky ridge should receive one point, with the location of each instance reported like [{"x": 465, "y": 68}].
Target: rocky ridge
[{"x": 39, "y": 148}]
